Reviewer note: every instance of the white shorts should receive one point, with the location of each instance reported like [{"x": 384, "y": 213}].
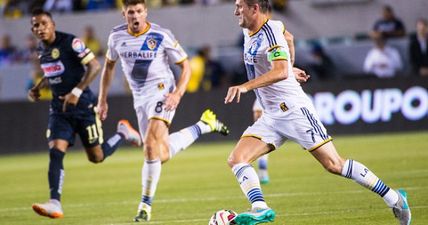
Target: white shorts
[
  {"x": 301, "y": 125},
  {"x": 153, "y": 107}
]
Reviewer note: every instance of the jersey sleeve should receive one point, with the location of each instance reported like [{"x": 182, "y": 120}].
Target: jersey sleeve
[
  {"x": 173, "y": 49},
  {"x": 82, "y": 52},
  {"x": 111, "y": 53},
  {"x": 278, "y": 48}
]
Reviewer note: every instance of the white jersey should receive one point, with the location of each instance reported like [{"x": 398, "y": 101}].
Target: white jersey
[
  {"x": 280, "y": 96},
  {"x": 145, "y": 58}
]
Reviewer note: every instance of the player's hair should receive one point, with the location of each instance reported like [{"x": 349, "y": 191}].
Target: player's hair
[
  {"x": 39, "y": 11},
  {"x": 127, "y": 3},
  {"x": 263, "y": 4}
]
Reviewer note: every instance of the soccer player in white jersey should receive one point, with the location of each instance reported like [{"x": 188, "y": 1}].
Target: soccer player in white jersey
[
  {"x": 144, "y": 50},
  {"x": 287, "y": 114}
]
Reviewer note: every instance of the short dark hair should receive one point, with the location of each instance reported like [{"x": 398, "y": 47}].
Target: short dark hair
[
  {"x": 38, "y": 12},
  {"x": 263, "y": 4},
  {"x": 127, "y": 3}
]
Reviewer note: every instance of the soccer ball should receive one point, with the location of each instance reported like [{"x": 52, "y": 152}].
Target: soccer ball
[{"x": 223, "y": 217}]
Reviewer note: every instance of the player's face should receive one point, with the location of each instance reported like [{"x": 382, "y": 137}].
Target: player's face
[
  {"x": 243, "y": 12},
  {"x": 43, "y": 28},
  {"x": 135, "y": 16}
]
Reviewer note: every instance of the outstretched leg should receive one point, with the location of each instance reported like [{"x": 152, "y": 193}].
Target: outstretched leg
[
  {"x": 246, "y": 151},
  {"x": 100, "y": 152},
  {"x": 351, "y": 169}
]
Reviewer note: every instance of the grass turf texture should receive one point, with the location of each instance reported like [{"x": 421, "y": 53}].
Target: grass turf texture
[{"x": 198, "y": 182}]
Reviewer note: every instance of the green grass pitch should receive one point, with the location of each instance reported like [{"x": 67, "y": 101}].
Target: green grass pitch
[{"x": 198, "y": 182}]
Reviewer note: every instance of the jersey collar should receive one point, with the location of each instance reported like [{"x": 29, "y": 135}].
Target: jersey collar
[
  {"x": 142, "y": 32},
  {"x": 258, "y": 29}
]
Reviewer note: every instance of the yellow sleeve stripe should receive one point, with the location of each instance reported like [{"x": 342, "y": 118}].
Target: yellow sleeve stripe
[
  {"x": 181, "y": 60},
  {"x": 273, "y": 47},
  {"x": 88, "y": 58}
]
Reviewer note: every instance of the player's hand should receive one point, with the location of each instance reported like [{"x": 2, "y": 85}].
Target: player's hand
[
  {"x": 301, "y": 75},
  {"x": 102, "y": 109},
  {"x": 69, "y": 99},
  {"x": 34, "y": 94},
  {"x": 234, "y": 92},
  {"x": 172, "y": 100}
]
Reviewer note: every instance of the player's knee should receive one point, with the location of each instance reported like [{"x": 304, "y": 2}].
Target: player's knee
[
  {"x": 95, "y": 159},
  {"x": 233, "y": 160},
  {"x": 334, "y": 167},
  {"x": 150, "y": 151}
]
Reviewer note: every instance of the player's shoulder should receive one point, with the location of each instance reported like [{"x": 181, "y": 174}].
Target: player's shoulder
[
  {"x": 63, "y": 37},
  {"x": 162, "y": 30},
  {"x": 119, "y": 28},
  {"x": 275, "y": 25}
]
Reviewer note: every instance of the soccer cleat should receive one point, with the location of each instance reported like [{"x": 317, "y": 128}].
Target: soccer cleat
[
  {"x": 210, "y": 118},
  {"x": 51, "y": 209},
  {"x": 255, "y": 217},
  {"x": 131, "y": 135},
  {"x": 401, "y": 209},
  {"x": 144, "y": 213},
  {"x": 264, "y": 180}
]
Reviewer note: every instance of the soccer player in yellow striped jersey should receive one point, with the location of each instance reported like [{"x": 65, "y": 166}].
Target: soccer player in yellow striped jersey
[
  {"x": 144, "y": 50},
  {"x": 287, "y": 114}
]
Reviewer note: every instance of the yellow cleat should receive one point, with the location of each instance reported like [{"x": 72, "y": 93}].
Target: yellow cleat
[{"x": 210, "y": 118}]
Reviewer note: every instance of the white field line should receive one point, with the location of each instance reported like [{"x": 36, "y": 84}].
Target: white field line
[
  {"x": 206, "y": 199},
  {"x": 335, "y": 212}
]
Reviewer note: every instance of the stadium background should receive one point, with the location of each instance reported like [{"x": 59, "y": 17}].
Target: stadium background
[
  {"x": 334, "y": 23},
  {"x": 307, "y": 20}
]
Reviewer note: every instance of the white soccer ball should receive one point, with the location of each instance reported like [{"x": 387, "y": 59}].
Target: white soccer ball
[{"x": 223, "y": 217}]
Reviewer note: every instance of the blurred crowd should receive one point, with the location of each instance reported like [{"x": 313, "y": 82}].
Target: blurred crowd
[
  {"x": 13, "y": 9},
  {"x": 382, "y": 60}
]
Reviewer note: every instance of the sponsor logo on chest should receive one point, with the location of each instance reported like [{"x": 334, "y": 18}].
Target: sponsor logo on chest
[
  {"x": 53, "y": 68},
  {"x": 147, "y": 55}
]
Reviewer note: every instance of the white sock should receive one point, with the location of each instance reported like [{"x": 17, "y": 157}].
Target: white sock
[
  {"x": 182, "y": 139},
  {"x": 363, "y": 176},
  {"x": 205, "y": 128},
  {"x": 150, "y": 177},
  {"x": 250, "y": 184},
  {"x": 391, "y": 198}
]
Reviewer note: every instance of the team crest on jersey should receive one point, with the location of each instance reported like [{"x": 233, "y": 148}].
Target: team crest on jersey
[
  {"x": 152, "y": 42},
  {"x": 78, "y": 45},
  {"x": 161, "y": 86},
  {"x": 55, "y": 53}
]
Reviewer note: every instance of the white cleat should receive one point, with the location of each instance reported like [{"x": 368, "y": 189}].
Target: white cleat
[
  {"x": 51, "y": 209},
  {"x": 144, "y": 213},
  {"x": 131, "y": 135},
  {"x": 401, "y": 209}
]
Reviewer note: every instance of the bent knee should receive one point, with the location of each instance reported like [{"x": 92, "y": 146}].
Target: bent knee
[
  {"x": 235, "y": 159},
  {"x": 334, "y": 167},
  {"x": 95, "y": 159}
]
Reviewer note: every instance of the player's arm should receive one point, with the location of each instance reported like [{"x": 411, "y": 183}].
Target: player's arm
[
  {"x": 290, "y": 42},
  {"x": 107, "y": 75},
  {"x": 92, "y": 69},
  {"x": 34, "y": 92},
  {"x": 277, "y": 73},
  {"x": 173, "y": 99}
]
